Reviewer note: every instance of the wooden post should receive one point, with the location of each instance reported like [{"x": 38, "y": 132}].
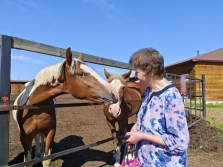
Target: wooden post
[{"x": 5, "y": 67}]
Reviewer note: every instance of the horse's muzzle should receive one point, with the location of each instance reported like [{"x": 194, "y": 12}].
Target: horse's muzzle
[{"x": 115, "y": 99}]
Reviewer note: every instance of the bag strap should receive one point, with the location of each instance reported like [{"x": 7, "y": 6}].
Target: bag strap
[
  {"x": 126, "y": 153},
  {"x": 132, "y": 151}
]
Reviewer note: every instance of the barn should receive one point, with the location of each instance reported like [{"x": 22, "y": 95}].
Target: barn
[{"x": 211, "y": 65}]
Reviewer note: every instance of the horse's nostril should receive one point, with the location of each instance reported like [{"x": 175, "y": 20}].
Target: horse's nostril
[
  {"x": 118, "y": 113},
  {"x": 119, "y": 109},
  {"x": 110, "y": 108}
]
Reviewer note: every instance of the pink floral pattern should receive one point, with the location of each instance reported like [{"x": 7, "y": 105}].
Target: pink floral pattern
[{"x": 163, "y": 114}]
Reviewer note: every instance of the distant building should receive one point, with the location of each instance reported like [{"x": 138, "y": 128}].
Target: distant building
[
  {"x": 16, "y": 86},
  {"x": 211, "y": 65}
]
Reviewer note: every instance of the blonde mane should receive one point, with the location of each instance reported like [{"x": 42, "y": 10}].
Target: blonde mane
[
  {"x": 116, "y": 76},
  {"x": 53, "y": 72}
]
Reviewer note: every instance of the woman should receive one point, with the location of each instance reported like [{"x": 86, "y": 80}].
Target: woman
[{"x": 160, "y": 132}]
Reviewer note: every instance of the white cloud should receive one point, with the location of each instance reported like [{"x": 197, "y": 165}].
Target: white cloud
[
  {"x": 28, "y": 59},
  {"x": 104, "y": 3},
  {"x": 24, "y": 5}
]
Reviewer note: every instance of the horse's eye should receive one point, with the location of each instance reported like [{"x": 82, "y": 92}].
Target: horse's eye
[{"x": 81, "y": 73}]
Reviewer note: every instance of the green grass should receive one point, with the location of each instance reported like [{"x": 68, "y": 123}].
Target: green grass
[
  {"x": 208, "y": 105},
  {"x": 214, "y": 122},
  {"x": 215, "y": 105}
]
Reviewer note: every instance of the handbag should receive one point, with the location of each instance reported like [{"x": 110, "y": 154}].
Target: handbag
[{"x": 129, "y": 158}]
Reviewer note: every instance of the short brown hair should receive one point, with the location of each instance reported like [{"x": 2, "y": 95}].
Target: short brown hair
[{"x": 148, "y": 59}]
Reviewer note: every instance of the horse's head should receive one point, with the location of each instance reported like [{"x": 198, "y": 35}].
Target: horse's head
[
  {"x": 83, "y": 82},
  {"x": 118, "y": 82}
]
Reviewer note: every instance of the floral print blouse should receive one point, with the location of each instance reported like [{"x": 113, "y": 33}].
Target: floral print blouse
[{"x": 163, "y": 114}]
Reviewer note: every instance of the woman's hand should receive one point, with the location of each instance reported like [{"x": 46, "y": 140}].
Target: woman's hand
[{"x": 134, "y": 137}]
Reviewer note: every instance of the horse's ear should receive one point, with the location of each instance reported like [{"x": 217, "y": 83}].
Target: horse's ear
[
  {"x": 80, "y": 57},
  {"x": 107, "y": 74},
  {"x": 68, "y": 56},
  {"x": 127, "y": 75},
  {"x": 133, "y": 79}
]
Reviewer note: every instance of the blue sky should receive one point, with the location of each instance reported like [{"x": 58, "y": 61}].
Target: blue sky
[{"x": 111, "y": 29}]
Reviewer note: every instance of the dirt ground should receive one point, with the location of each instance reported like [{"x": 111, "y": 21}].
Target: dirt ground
[{"x": 77, "y": 126}]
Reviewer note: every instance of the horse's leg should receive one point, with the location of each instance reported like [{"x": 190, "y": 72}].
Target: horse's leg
[
  {"x": 48, "y": 146},
  {"x": 42, "y": 145},
  {"x": 121, "y": 130},
  {"x": 117, "y": 148},
  {"x": 27, "y": 146},
  {"x": 111, "y": 125},
  {"x": 37, "y": 146}
]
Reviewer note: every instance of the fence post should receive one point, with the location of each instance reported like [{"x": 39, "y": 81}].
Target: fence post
[
  {"x": 204, "y": 95},
  {"x": 5, "y": 67}
]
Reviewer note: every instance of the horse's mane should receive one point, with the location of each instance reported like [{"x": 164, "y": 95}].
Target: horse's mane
[
  {"x": 46, "y": 75},
  {"x": 116, "y": 76},
  {"x": 53, "y": 72}
]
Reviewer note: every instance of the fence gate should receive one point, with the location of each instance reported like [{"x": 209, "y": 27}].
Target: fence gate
[{"x": 193, "y": 94}]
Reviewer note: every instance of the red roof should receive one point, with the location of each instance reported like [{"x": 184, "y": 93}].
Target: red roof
[{"x": 213, "y": 56}]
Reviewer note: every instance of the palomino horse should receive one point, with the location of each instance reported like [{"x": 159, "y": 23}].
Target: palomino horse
[
  {"x": 69, "y": 76},
  {"x": 121, "y": 111}
]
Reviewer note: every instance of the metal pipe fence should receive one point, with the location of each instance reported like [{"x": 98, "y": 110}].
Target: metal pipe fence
[{"x": 7, "y": 43}]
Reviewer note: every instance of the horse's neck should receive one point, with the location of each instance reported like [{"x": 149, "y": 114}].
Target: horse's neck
[
  {"x": 130, "y": 92},
  {"x": 43, "y": 93},
  {"x": 136, "y": 85}
]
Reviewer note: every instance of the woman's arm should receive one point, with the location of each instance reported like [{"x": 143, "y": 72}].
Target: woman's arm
[
  {"x": 135, "y": 137},
  {"x": 177, "y": 136},
  {"x": 134, "y": 128}
]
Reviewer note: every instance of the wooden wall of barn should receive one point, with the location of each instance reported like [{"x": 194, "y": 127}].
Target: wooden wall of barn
[
  {"x": 213, "y": 78},
  {"x": 186, "y": 68},
  {"x": 213, "y": 72}
]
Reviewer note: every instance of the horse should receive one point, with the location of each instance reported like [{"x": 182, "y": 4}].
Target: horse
[
  {"x": 71, "y": 76},
  {"x": 128, "y": 89}
]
